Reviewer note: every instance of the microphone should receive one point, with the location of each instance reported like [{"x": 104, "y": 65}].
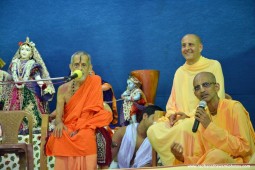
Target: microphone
[
  {"x": 202, "y": 104},
  {"x": 76, "y": 74}
]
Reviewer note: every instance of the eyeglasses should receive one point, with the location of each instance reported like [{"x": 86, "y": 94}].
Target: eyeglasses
[{"x": 205, "y": 85}]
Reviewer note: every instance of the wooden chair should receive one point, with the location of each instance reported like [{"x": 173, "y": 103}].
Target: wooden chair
[
  {"x": 44, "y": 134},
  {"x": 10, "y": 122},
  {"x": 157, "y": 115},
  {"x": 149, "y": 79}
]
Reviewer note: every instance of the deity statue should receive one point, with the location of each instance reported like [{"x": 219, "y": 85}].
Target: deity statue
[
  {"x": 134, "y": 100},
  {"x": 24, "y": 94}
]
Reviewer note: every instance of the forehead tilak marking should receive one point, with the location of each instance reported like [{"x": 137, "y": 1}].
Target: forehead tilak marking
[{"x": 80, "y": 58}]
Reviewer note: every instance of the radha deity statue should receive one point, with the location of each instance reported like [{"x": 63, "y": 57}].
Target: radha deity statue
[
  {"x": 32, "y": 96},
  {"x": 134, "y": 100}
]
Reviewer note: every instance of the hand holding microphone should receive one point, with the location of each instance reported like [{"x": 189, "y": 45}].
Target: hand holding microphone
[
  {"x": 198, "y": 116},
  {"x": 76, "y": 74}
]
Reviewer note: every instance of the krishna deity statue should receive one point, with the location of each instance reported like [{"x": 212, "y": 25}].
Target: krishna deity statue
[{"x": 134, "y": 100}]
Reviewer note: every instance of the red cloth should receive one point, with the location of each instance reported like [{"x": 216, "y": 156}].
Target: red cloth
[{"x": 104, "y": 141}]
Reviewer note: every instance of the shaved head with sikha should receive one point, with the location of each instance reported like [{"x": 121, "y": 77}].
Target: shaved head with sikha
[{"x": 209, "y": 76}]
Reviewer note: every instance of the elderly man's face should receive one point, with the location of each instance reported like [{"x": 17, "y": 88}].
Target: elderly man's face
[{"x": 81, "y": 62}]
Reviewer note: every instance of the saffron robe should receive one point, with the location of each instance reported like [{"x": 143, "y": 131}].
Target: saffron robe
[
  {"x": 229, "y": 138},
  {"x": 143, "y": 155},
  {"x": 110, "y": 99},
  {"x": 83, "y": 113},
  {"x": 182, "y": 99}
]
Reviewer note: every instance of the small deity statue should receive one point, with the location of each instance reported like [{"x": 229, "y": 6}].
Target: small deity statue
[
  {"x": 134, "y": 100},
  {"x": 32, "y": 96}
]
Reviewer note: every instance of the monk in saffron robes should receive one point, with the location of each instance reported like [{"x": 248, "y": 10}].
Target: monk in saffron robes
[
  {"x": 182, "y": 102},
  {"x": 79, "y": 112},
  {"x": 225, "y": 133}
]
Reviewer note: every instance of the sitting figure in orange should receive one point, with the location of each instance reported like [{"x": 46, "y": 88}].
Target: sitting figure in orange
[
  {"x": 79, "y": 112},
  {"x": 225, "y": 133},
  {"x": 134, "y": 100},
  {"x": 110, "y": 99}
]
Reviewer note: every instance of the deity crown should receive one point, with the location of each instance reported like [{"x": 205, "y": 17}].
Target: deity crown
[
  {"x": 29, "y": 43},
  {"x": 135, "y": 80}
]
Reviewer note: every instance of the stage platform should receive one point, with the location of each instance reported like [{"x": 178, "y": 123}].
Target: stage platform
[{"x": 210, "y": 167}]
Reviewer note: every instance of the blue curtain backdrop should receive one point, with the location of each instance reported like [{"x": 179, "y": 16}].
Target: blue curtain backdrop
[{"x": 122, "y": 36}]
